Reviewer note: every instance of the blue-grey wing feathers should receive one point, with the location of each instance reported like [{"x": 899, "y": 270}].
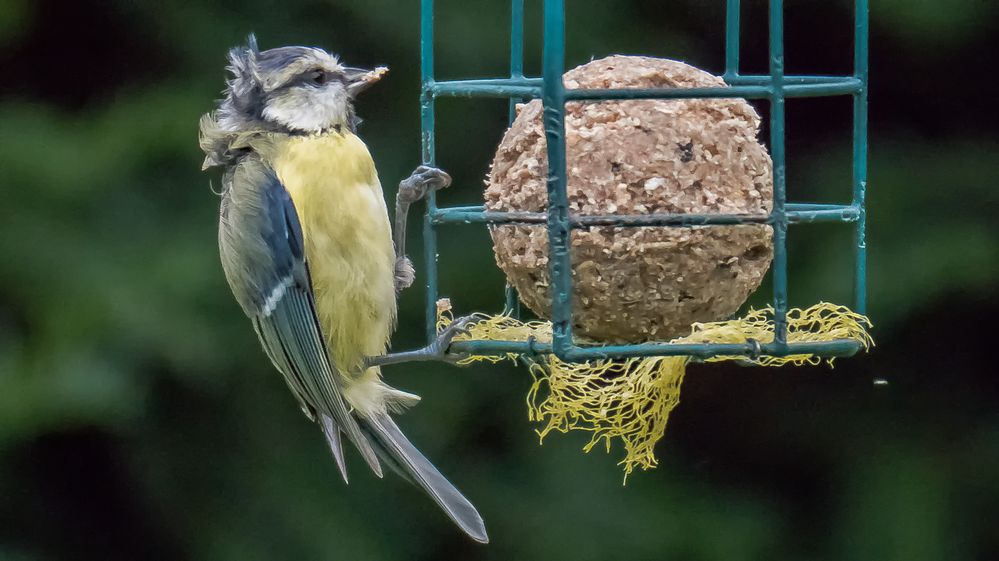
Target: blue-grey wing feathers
[{"x": 262, "y": 250}]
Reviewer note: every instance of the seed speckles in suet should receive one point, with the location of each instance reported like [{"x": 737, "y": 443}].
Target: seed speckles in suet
[{"x": 694, "y": 156}]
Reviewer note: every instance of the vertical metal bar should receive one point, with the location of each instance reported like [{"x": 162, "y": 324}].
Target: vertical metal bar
[
  {"x": 553, "y": 98},
  {"x": 427, "y": 80},
  {"x": 860, "y": 50},
  {"x": 778, "y": 153},
  {"x": 512, "y": 306},
  {"x": 516, "y": 48},
  {"x": 427, "y": 139},
  {"x": 731, "y": 39}
]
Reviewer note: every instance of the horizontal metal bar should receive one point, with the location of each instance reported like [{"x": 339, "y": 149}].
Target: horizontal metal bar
[
  {"x": 836, "y": 348},
  {"x": 846, "y": 213},
  {"x": 847, "y": 86},
  {"x": 494, "y": 348},
  {"x": 795, "y": 215},
  {"x": 815, "y": 206},
  {"x": 738, "y": 80},
  {"x": 500, "y": 87},
  {"x": 750, "y": 87},
  {"x": 748, "y": 92},
  {"x": 515, "y": 81},
  {"x": 766, "y": 80},
  {"x": 789, "y": 206}
]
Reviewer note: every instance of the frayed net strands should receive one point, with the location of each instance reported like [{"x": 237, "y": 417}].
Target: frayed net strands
[{"x": 630, "y": 400}]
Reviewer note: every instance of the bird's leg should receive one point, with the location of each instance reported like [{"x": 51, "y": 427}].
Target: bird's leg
[
  {"x": 434, "y": 351},
  {"x": 422, "y": 181},
  {"x": 412, "y": 189}
]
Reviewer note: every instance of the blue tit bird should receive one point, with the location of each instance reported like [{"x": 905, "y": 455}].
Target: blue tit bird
[{"x": 308, "y": 250}]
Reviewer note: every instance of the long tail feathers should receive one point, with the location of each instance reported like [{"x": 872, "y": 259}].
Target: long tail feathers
[
  {"x": 397, "y": 452},
  {"x": 401, "y": 455},
  {"x": 332, "y": 433}
]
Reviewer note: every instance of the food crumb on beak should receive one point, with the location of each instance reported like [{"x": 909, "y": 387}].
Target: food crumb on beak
[
  {"x": 364, "y": 81},
  {"x": 375, "y": 75}
]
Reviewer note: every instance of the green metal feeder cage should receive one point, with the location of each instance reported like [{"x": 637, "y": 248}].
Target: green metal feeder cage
[{"x": 775, "y": 87}]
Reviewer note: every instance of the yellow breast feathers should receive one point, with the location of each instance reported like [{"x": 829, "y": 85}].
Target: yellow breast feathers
[{"x": 348, "y": 240}]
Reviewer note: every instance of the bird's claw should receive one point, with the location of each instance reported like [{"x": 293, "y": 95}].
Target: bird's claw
[
  {"x": 438, "y": 350},
  {"x": 422, "y": 181},
  {"x": 446, "y": 336}
]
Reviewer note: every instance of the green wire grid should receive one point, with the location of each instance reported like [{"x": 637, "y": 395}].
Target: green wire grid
[{"x": 775, "y": 87}]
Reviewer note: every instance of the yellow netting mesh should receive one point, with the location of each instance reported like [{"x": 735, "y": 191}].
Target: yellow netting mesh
[{"x": 631, "y": 399}]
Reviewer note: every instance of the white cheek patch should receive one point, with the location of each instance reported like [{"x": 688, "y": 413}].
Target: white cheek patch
[{"x": 307, "y": 111}]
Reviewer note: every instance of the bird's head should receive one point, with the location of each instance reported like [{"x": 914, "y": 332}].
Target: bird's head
[{"x": 297, "y": 89}]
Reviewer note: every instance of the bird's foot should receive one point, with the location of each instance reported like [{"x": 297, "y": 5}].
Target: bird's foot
[
  {"x": 404, "y": 273},
  {"x": 422, "y": 181},
  {"x": 438, "y": 350}
]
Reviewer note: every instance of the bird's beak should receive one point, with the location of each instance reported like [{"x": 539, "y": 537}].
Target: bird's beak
[{"x": 359, "y": 79}]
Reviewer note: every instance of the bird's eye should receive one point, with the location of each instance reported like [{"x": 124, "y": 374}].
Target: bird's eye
[{"x": 318, "y": 77}]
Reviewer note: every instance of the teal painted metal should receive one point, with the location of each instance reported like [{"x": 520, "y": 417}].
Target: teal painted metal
[
  {"x": 841, "y": 348},
  {"x": 861, "y": 33},
  {"x": 794, "y": 214},
  {"x": 834, "y": 87},
  {"x": 429, "y": 158},
  {"x": 553, "y": 117},
  {"x": 774, "y": 87},
  {"x": 516, "y": 51},
  {"x": 512, "y": 300},
  {"x": 732, "y": 8},
  {"x": 777, "y": 153},
  {"x": 748, "y": 87}
]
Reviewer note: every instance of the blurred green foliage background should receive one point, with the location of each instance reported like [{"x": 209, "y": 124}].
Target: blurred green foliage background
[{"x": 140, "y": 420}]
